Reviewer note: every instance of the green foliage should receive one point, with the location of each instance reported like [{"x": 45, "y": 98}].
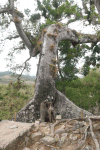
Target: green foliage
[
  {"x": 85, "y": 69},
  {"x": 93, "y": 59},
  {"x": 90, "y": 11},
  {"x": 27, "y": 11},
  {"x": 14, "y": 97},
  {"x": 1, "y": 97},
  {"x": 83, "y": 92},
  {"x": 49, "y": 22},
  {"x": 68, "y": 58},
  {"x": 34, "y": 17},
  {"x": 55, "y": 10},
  {"x": 55, "y": 3}
]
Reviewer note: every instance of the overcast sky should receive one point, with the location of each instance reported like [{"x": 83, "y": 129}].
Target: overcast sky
[
  {"x": 19, "y": 58},
  {"x": 24, "y": 4}
]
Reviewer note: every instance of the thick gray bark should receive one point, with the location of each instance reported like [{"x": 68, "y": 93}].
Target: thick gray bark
[
  {"x": 45, "y": 82},
  {"x": 68, "y": 109}
]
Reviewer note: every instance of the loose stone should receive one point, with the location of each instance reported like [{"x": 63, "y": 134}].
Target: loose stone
[{"x": 48, "y": 140}]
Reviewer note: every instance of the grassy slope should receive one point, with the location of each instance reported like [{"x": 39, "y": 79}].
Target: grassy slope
[
  {"x": 13, "y": 98},
  {"x": 83, "y": 92}
]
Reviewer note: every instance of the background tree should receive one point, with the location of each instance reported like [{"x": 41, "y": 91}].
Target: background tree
[
  {"x": 93, "y": 59},
  {"x": 45, "y": 42},
  {"x": 84, "y": 92}
]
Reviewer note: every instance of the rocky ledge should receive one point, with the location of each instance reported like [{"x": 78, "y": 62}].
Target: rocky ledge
[{"x": 65, "y": 134}]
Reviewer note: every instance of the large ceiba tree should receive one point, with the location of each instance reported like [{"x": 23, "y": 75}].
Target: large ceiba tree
[{"x": 46, "y": 46}]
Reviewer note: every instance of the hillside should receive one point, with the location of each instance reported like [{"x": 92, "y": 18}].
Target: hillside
[
  {"x": 13, "y": 97},
  {"x": 6, "y": 77}
]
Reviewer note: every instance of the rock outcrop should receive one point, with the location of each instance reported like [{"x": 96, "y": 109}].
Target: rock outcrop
[{"x": 65, "y": 134}]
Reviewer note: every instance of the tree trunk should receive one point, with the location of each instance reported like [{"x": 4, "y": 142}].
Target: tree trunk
[
  {"x": 45, "y": 83},
  {"x": 97, "y": 4}
]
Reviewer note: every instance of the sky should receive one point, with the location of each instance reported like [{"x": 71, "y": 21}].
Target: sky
[
  {"x": 8, "y": 44},
  {"x": 24, "y": 4}
]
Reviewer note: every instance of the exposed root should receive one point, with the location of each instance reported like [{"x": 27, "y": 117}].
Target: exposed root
[
  {"x": 93, "y": 135},
  {"x": 56, "y": 123},
  {"x": 94, "y": 117},
  {"x": 49, "y": 146},
  {"x": 72, "y": 134},
  {"x": 85, "y": 137},
  {"x": 67, "y": 121},
  {"x": 89, "y": 128}
]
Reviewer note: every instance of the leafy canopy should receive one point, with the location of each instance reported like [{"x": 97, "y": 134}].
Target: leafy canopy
[{"x": 56, "y": 10}]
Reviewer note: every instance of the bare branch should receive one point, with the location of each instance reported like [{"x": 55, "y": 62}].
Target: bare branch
[
  {"x": 97, "y": 4},
  {"x": 4, "y": 10},
  {"x": 12, "y": 37},
  {"x": 17, "y": 18},
  {"x": 11, "y": 2},
  {"x": 59, "y": 66},
  {"x": 85, "y": 7},
  {"x": 78, "y": 38},
  {"x": 20, "y": 47},
  {"x": 73, "y": 20},
  {"x": 8, "y": 9},
  {"x": 24, "y": 67},
  {"x": 23, "y": 35}
]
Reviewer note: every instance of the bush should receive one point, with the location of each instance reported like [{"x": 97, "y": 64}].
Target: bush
[
  {"x": 83, "y": 92},
  {"x": 1, "y": 97},
  {"x": 14, "y": 98}
]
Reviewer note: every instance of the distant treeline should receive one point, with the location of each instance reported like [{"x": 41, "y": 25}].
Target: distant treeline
[
  {"x": 10, "y": 73},
  {"x": 6, "y": 77}
]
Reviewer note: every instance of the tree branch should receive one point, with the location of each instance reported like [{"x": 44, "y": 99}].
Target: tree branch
[
  {"x": 59, "y": 67},
  {"x": 8, "y": 9},
  {"x": 12, "y": 37},
  {"x": 73, "y": 20},
  {"x": 85, "y": 7},
  {"x": 23, "y": 35},
  {"x": 97, "y": 4},
  {"x": 24, "y": 67},
  {"x": 11, "y": 2},
  {"x": 78, "y": 38},
  {"x": 17, "y": 18},
  {"x": 4, "y": 10}
]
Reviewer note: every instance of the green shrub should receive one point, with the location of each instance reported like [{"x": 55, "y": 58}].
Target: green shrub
[
  {"x": 1, "y": 97},
  {"x": 83, "y": 92},
  {"x": 14, "y": 98}
]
